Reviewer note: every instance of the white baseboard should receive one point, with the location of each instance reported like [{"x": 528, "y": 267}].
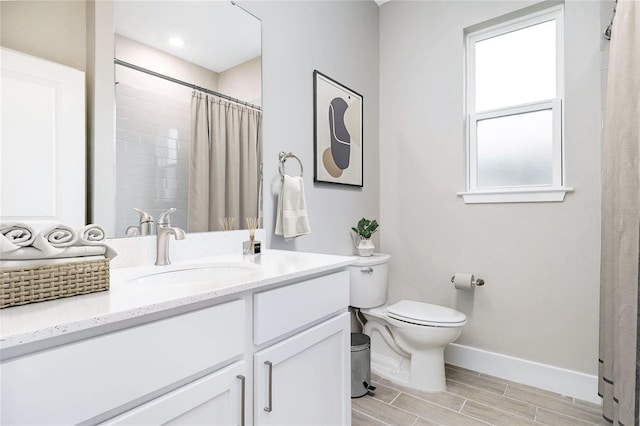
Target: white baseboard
[{"x": 566, "y": 382}]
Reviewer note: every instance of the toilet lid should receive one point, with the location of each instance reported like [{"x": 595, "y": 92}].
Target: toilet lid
[{"x": 426, "y": 314}]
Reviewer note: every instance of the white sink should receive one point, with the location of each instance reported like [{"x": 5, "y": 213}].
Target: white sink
[{"x": 221, "y": 274}]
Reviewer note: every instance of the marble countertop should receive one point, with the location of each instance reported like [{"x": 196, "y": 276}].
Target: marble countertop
[{"x": 126, "y": 299}]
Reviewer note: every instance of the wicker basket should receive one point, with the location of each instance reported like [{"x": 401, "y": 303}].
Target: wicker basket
[{"x": 20, "y": 286}]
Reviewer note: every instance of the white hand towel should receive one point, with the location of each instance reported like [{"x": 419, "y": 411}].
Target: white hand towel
[
  {"x": 32, "y": 253},
  {"x": 14, "y": 235},
  {"x": 95, "y": 235},
  {"x": 53, "y": 239},
  {"x": 50, "y": 240},
  {"x": 5, "y": 264},
  {"x": 91, "y": 234},
  {"x": 291, "y": 216}
]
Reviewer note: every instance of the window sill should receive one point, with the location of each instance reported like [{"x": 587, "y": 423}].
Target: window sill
[{"x": 519, "y": 195}]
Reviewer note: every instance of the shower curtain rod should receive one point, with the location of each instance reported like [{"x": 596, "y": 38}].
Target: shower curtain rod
[{"x": 183, "y": 83}]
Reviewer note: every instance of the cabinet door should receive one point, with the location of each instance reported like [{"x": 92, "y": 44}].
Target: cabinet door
[
  {"x": 42, "y": 148},
  {"x": 216, "y": 399},
  {"x": 305, "y": 379}
]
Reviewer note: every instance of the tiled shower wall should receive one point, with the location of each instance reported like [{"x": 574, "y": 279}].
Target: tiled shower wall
[{"x": 152, "y": 150}]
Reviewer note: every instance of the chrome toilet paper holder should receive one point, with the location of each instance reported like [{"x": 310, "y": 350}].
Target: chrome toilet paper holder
[{"x": 476, "y": 281}]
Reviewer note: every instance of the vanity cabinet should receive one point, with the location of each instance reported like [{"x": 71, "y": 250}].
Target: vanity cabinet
[
  {"x": 84, "y": 381},
  {"x": 274, "y": 357},
  {"x": 304, "y": 379}
]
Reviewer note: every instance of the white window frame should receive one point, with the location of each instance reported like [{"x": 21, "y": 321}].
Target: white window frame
[{"x": 529, "y": 193}]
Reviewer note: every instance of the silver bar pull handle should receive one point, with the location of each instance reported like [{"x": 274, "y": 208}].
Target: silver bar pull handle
[
  {"x": 242, "y": 399},
  {"x": 369, "y": 270},
  {"x": 269, "y": 408}
]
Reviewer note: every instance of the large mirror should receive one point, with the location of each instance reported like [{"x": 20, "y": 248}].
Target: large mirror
[{"x": 188, "y": 115}]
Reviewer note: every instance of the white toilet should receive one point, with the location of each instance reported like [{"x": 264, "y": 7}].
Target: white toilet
[{"x": 408, "y": 337}]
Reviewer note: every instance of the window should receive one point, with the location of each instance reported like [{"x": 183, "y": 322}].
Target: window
[{"x": 514, "y": 83}]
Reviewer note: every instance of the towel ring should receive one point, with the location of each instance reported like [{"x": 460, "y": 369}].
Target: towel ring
[{"x": 283, "y": 158}]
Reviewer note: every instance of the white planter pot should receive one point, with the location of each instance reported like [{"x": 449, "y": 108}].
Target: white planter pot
[{"x": 365, "y": 248}]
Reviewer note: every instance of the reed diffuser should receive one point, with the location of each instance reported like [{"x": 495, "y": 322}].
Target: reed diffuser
[
  {"x": 227, "y": 223},
  {"x": 252, "y": 246}
]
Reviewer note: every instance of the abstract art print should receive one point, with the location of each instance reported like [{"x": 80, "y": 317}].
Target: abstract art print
[{"x": 337, "y": 132}]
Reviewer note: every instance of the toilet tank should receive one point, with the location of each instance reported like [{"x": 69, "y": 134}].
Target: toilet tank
[{"x": 368, "y": 281}]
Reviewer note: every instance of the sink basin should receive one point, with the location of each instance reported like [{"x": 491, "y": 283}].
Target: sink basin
[{"x": 199, "y": 274}]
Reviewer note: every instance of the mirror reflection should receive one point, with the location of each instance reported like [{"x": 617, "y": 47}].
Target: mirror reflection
[{"x": 188, "y": 116}]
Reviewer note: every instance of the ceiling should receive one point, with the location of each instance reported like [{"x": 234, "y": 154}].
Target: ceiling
[{"x": 199, "y": 23}]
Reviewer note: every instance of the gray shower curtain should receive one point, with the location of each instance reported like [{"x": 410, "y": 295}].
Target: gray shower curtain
[
  {"x": 619, "y": 363},
  {"x": 225, "y": 159}
]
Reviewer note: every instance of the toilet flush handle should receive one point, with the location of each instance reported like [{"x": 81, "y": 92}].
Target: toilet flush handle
[{"x": 369, "y": 270}]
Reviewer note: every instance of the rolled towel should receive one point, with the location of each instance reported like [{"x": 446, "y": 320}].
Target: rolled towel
[
  {"x": 52, "y": 239},
  {"x": 91, "y": 234},
  {"x": 95, "y": 235},
  {"x": 14, "y": 235}
]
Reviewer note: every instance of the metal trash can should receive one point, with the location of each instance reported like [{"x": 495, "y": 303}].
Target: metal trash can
[{"x": 360, "y": 365}]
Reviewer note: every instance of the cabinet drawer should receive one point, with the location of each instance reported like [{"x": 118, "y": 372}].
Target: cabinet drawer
[
  {"x": 284, "y": 309},
  {"x": 76, "y": 382},
  {"x": 216, "y": 399}
]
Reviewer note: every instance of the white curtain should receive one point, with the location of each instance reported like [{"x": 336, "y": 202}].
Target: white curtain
[
  {"x": 225, "y": 163},
  {"x": 619, "y": 363}
]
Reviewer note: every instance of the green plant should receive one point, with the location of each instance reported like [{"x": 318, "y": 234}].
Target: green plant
[{"x": 366, "y": 228}]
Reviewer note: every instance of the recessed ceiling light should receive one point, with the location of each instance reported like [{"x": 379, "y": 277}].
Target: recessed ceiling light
[{"x": 176, "y": 41}]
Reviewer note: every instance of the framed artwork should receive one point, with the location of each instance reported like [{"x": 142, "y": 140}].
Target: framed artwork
[{"x": 337, "y": 127}]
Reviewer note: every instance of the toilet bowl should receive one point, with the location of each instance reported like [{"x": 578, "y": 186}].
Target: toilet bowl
[{"x": 408, "y": 337}]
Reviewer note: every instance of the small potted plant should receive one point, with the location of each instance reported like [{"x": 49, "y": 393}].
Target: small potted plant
[{"x": 364, "y": 230}]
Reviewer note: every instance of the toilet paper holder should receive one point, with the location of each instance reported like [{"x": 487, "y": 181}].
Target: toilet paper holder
[{"x": 476, "y": 281}]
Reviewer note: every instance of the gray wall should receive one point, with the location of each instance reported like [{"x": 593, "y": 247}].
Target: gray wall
[
  {"x": 540, "y": 260},
  {"x": 339, "y": 39}
]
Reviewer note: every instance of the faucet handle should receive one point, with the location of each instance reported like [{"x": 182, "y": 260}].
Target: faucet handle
[
  {"x": 146, "y": 226},
  {"x": 163, "y": 219},
  {"x": 144, "y": 216}
]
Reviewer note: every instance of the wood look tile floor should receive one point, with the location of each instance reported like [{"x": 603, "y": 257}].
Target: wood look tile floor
[{"x": 471, "y": 398}]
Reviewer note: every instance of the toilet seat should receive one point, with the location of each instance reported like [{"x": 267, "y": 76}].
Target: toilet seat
[{"x": 425, "y": 314}]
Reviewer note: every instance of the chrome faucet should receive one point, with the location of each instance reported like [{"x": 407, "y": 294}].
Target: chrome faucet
[
  {"x": 144, "y": 228},
  {"x": 163, "y": 231}
]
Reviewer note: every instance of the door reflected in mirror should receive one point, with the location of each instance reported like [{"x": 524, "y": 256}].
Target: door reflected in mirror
[{"x": 188, "y": 114}]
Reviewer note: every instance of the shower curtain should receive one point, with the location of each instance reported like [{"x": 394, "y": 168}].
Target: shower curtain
[
  {"x": 619, "y": 360},
  {"x": 225, "y": 160}
]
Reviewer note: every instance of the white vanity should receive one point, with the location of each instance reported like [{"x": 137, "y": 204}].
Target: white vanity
[{"x": 263, "y": 342}]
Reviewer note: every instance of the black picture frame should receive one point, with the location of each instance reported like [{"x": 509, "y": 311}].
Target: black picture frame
[{"x": 337, "y": 133}]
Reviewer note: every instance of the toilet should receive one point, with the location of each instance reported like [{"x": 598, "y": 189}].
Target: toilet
[{"x": 408, "y": 337}]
